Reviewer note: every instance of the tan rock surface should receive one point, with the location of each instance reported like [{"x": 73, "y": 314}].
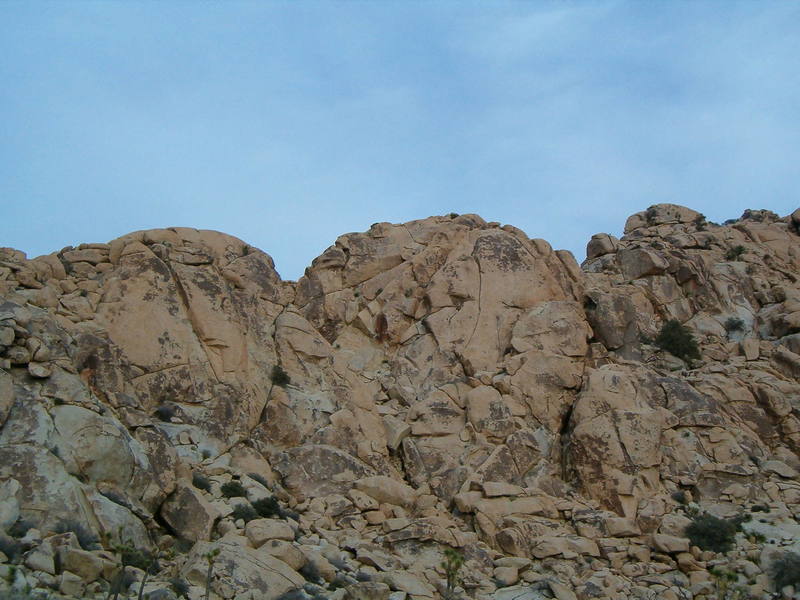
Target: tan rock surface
[{"x": 438, "y": 364}]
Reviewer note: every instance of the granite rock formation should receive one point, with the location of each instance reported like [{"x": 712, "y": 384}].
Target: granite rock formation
[{"x": 443, "y": 383}]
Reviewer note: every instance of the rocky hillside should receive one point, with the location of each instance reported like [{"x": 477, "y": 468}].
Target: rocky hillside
[{"x": 440, "y": 384}]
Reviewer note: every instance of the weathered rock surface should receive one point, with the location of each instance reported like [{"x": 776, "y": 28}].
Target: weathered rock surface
[{"x": 441, "y": 383}]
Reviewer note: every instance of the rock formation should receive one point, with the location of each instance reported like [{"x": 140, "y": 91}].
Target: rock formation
[{"x": 443, "y": 383}]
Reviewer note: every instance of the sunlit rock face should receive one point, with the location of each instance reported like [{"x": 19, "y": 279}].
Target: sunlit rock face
[{"x": 446, "y": 381}]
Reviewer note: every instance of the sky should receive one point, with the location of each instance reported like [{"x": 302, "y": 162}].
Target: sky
[{"x": 287, "y": 124}]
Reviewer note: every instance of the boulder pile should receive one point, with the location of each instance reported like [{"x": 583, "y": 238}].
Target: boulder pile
[{"x": 176, "y": 420}]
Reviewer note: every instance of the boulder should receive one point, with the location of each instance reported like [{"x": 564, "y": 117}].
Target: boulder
[
  {"x": 238, "y": 569},
  {"x": 189, "y": 514},
  {"x": 259, "y": 531},
  {"x": 388, "y": 490}
]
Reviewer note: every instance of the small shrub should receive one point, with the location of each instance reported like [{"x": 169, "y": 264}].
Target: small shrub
[
  {"x": 340, "y": 581},
  {"x": 206, "y": 453},
  {"x": 165, "y": 412},
  {"x": 267, "y": 507},
  {"x": 735, "y": 253},
  {"x": 279, "y": 377},
  {"x": 136, "y": 557},
  {"x": 180, "y": 587},
  {"x": 650, "y": 215},
  {"x": 245, "y": 512},
  {"x": 760, "y": 508},
  {"x": 700, "y": 222},
  {"x": 453, "y": 215},
  {"x": 292, "y": 595},
  {"x": 288, "y": 513},
  {"x": 233, "y": 489},
  {"x": 453, "y": 561},
  {"x": 115, "y": 497},
  {"x": 734, "y": 324},
  {"x": 786, "y": 571},
  {"x": 259, "y": 478},
  {"x": 339, "y": 564},
  {"x": 679, "y": 496},
  {"x": 86, "y": 539},
  {"x": 201, "y": 482},
  {"x": 310, "y": 572},
  {"x": 363, "y": 576},
  {"x": 11, "y": 548},
  {"x": 708, "y": 532},
  {"x": 20, "y": 528},
  {"x": 677, "y": 340}
]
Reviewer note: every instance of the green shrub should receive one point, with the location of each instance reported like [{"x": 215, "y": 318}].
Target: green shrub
[
  {"x": 267, "y": 507},
  {"x": 700, "y": 222},
  {"x": 786, "y": 571},
  {"x": 20, "y": 528},
  {"x": 735, "y": 253},
  {"x": 708, "y": 532},
  {"x": 310, "y": 572},
  {"x": 11, "y": 548},
  {"x": 292, "y": 595},
  {"x": 86, "y": 539},
  {"x": 245, "y": 512},
  {"x": 201, "y": 482},
  {"x": 259, "y": 478},
  {"x": 136, "y": 557},
  {"x": 453, "y": 561},
  {"x": 233, "y": 489},
  {"x": 165, "y": 412},
  {"x": 279, "y": 377},
  {"x": 734, "y": 324},
  {"x": 179, "y": 586},
  {"x": 115, "y": 497},
  {"x": 679, "y": 496},
  {"x": 677, "y": 340}
]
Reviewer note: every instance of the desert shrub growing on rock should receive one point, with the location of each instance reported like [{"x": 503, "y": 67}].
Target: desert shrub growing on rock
[
  {"x": 292, "y": 595},
  {"x": 734, "y": 324},
  {"x": 786, "y": 571},
  {"x": 677, "y": 340},
  {"x": 20, "y": 528},
  {"x": 201, "y": 482},
  {"x": 310, "y": 572},
  {"x": 279, "y": 377},
  {"x": 245, "y": 512},
  {"x": 11, "y": 548},
  {"x": 708, "y": 532},
  {"x": 233, "y": 489},
  {"x": 267, "y": 507},
  {"x": 453, "y": 561},
  {"x": 180, "y": 587},
  {"x": 165, "y": 412},
  {"x": 735, "y": 253},
  {"x": 259, "y": 478}
]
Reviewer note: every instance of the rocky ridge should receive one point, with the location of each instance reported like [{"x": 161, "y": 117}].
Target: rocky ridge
[{"x": 444, "y": 383}]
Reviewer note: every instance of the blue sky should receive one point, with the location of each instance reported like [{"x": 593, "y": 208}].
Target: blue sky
[{"x": 289, "y": 123}]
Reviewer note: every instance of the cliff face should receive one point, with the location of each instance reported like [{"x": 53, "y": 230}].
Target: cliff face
[{"x": 451, "y": 382}]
